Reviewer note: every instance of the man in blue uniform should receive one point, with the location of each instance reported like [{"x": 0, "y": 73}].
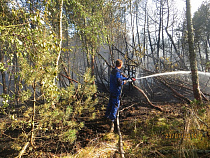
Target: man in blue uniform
[{"x": 116, "y": 82}]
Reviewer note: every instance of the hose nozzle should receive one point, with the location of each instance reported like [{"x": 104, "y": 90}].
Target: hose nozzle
[{"x": 132, "y": 79}]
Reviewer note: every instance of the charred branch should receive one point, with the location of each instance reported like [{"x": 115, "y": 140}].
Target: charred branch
[
  {"x": 175, "y": 92},
  {"x": 150, "y": 103}
]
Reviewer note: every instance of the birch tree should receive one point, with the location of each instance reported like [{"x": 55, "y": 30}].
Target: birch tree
[{"x": 60, "y": 31}]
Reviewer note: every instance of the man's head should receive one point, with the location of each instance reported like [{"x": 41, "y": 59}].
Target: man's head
[{"x": 119, "y": 63}]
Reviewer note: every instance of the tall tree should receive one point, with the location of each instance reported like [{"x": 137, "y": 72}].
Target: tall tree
[
  {"x": 192, "y": 54},
  {"x": 60, "y": 31},
  {"x": 5, "y": 18},
  {"x": 201, "y": 24}
]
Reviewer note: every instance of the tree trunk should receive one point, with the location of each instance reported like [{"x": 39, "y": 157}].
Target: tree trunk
[
  {"x": 150, "y": 42},
  {"x": 201, "y": 60},
  {"x": 3, "y": 74},
  {"x": 193, "y": 62},
  {"x": 157, "y": 66},
  {"x": 162, "y": 21},
  {"x": 60, "y": 32},
  {"x": 92, "y": 64},
  {"x": 182, "y": 63},
  {"x": 206, "y": 51},
  {"x": 144, "y": 44}
]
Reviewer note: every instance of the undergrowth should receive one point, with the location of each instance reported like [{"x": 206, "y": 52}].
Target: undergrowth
[
  {"x": 160, "y": 135},
  {"x": 168, "y": 136},
  {"x": 182, "y": 133}
]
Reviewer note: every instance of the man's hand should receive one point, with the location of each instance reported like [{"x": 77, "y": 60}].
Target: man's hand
[{"x": 131, "y": 79}]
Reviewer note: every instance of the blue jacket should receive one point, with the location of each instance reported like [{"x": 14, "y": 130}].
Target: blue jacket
[{"x": 116, "y": 82}]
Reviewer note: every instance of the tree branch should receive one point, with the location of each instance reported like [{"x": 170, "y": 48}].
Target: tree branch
[
  {"x": 68, "y": 78},
  {"x": 23, "y": 150},
  {"x": 150, "y": 103}
]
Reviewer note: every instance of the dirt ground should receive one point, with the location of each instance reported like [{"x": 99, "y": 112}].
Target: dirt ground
[{"x": 135, "y": 122}]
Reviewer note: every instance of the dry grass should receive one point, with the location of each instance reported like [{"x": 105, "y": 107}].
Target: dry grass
[{"x": 105, "y": 147}]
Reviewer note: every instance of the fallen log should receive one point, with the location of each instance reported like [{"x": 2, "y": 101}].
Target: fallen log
[
  {"x": 203, "y": 93},
  {"x": 190, "y": 89},
  {"x": 175, "y": 92},
  {"x": 150, "y": 103}
]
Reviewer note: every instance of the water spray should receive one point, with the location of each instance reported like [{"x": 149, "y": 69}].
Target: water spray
[
  {"x": 161, "y": 74},
  {"x": 171, "y": 73}
]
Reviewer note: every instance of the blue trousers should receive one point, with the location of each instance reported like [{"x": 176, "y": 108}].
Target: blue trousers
[{"x": 113, "y": 106}]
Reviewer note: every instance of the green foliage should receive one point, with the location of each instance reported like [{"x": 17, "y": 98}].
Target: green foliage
[
  {"x": 5, "y": 101},
  {"x": 89, "y": 21},
  {"x": 2, "y": 68},
  {"x": 25, "y": 95},
  {"x": 207, "y": 67},
  {"x": 55, "y": 109},
  {"x": 58, "y": 122},
  {"x": 195, "y": 102},
  {"x": 201, "y": 22},
  {"x": 69, "y": 136}
]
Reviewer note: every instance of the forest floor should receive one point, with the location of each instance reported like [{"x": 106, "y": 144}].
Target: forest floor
[
  {"x": 146, "y": 131},
  {"x": 177, "y": 131}
]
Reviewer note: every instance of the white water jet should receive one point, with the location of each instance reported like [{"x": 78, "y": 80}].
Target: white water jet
[
  {"x": 204, "y": 73},
  {"x": 173, "y": 73}
]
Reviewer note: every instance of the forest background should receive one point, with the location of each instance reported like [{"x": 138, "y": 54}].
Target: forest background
[{"x": 56, "y": 57}]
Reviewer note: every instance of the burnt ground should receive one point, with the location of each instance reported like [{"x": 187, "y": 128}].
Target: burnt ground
[
  {"x": 134, "y": 108},
  {"x": 137, "y": 120}
]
